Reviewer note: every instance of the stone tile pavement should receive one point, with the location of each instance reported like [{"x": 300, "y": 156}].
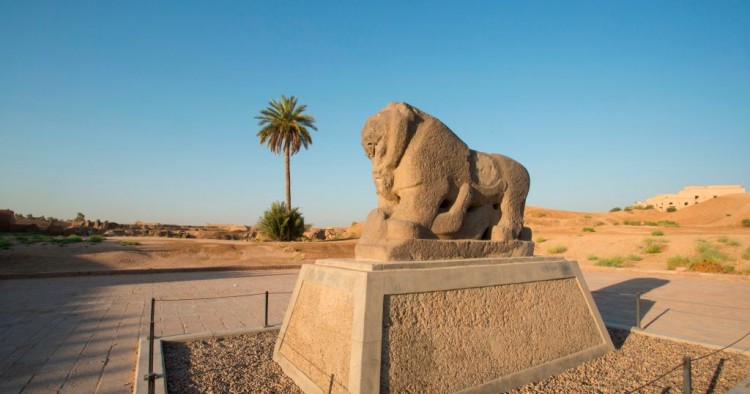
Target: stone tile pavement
[{"x": 80, "y": 335}]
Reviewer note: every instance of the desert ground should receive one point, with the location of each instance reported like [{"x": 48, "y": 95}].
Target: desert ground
[{"x": 613, "y": 239}]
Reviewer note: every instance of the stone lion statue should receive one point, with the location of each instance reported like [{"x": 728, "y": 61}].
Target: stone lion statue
[{"x": 430, "y": 185}]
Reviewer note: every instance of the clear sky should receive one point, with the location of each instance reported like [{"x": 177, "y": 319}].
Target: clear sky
[{"x": 129, "y": 110}]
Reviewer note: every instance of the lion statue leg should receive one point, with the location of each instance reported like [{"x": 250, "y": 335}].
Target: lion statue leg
[{"x": 513, "y": 201}]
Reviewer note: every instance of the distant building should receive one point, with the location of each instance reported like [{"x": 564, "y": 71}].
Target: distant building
[{"x": 690, "y": 195}]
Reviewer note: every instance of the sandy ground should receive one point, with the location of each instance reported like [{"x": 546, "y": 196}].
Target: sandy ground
[
  {"x": 164, "y": 253},
  {"x": 717, "y": 221}
]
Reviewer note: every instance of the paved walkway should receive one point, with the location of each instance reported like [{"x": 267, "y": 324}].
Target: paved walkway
[{"x": 80, "y": 335}]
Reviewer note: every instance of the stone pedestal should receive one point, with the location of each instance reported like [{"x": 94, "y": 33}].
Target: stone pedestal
[{"x": 474, "y": 325}]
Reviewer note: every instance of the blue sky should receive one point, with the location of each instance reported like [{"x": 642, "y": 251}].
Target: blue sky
[{"x": 145, "y": 110}]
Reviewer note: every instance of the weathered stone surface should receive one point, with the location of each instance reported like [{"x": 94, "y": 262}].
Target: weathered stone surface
[
  {"x": 317, "y": 338},
  {"x": 430, "y": 185},
  {"x": 482, "y": 325},
  {"x": 495, "y": 325},
  {"x": 429, "y": 249}
]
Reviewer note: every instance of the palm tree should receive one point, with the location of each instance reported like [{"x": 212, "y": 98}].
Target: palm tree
[{"x": 285, "y": 129}]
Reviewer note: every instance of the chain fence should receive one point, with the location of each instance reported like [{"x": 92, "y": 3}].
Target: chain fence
[{"x": 685, "y": 364}]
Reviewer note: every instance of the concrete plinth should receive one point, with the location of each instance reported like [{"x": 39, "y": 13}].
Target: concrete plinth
[{"x": 473, "y": 326}]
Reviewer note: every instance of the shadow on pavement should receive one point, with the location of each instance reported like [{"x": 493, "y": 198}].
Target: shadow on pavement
[{"x": 617, "y": 302}]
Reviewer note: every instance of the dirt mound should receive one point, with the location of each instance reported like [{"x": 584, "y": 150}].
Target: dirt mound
[{"x": 725, "y": 211}]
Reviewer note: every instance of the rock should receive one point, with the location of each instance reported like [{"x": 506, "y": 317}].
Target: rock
[
  {"x": 54, "y": 229},
  {"x": 7, "y": 218},
  {"x": 314, "y": 234}
]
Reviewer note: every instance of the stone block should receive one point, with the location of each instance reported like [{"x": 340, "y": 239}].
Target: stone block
[{"x": 481, "y": 325}]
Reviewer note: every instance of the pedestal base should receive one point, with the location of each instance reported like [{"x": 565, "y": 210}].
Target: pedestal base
[
  {"x": 436, "y": 249},
  {"x": 474, "y": 326}
]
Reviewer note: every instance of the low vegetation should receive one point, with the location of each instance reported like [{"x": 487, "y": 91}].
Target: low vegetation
[
  {"x": 677, "y": 261},
  {"x": 614, "y": 261},
  {"x": 615, "y": 209},
  {"x": 129, "y": 243},
  {"x": 5, "y": 244},
  {"x": 280, "y": 225},
  {"x": 652, "y": 246},
  {"x": 657, "y": 233},
  {"x": 592, "y": 257},
  {"x": 540, "y": 240},
  {"x": 70, "y": 239},
  {"x": 671, "y": 209},
  {"x": 589, "y": 230},
  {"x": 557, "y": 249},
  {"x": 727, "y": 241},
  {"x": 707, "y": 258},
  {"x": 746, "y": 254},
  {"x": 667, "y": 223},
  {"x": 745, "y": 222},
  {"x": 634, "y": 257},
  {"x": 95, "y": 239}
]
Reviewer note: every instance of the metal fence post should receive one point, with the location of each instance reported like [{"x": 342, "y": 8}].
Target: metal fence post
[
  {"x": 265, "y": 321},
  {"x": 151, "y": 381},
  {"x": 687, "y": 379},
  {"x": 638, "y": 310}
]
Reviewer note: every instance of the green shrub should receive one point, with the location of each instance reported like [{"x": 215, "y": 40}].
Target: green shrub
[
  {"x": 727, "y": 241},
  {"x": 587, "y": 216},
  {"x": 278, "y": 224},
  {"x": 615, "y": 209},
  {"x": 652, "y": 224},
  {"x": 677, "y": 261},
  {"x": 649, "y": 206},
  {"x": 707, "y": 252},
  {"x": 615, "y": 223},
  {"x": 599, "y": 223},
  {"x": 667, "y": 223},
  {"x": 671, "y": 209},
  {"x": 70, "y": 239},
  {"x": 614, "y": 261},
  {"x": 5, "y": 244},
  {"x": 746, "y": 254},
  {"x": 589, "y": 230},
  {"x": 591, "y": 257},
  {"x": 745, "y": 222},
  {"x": 129, "y": 243},
  {"x": 657, "y": 233},
  {"x": 540, "y": 240},
  {"x": 631, "y": 222},
  {"x": 634, "y": 257},
  {"x": 557, "y": 249},
  {"x": 652, "y": 246},
  {"x": 95, "y": 239},
  {"x": 627, "y": 209}
]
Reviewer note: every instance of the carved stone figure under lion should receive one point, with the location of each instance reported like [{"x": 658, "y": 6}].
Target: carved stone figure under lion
[{"x": 431, "y": 186}]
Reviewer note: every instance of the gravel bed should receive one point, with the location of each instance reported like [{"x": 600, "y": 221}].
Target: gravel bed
[{"x": 243, "y": 364}]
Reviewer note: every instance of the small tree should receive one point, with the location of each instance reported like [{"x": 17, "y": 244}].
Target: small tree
[
  {"x": 671, "y": 209},
  {"x": 80, "y": 217},
  {"x": 281, "y": 225}
]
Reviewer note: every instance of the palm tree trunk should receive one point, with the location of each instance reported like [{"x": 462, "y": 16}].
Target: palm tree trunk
[{"x": 288, "y": 191}]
